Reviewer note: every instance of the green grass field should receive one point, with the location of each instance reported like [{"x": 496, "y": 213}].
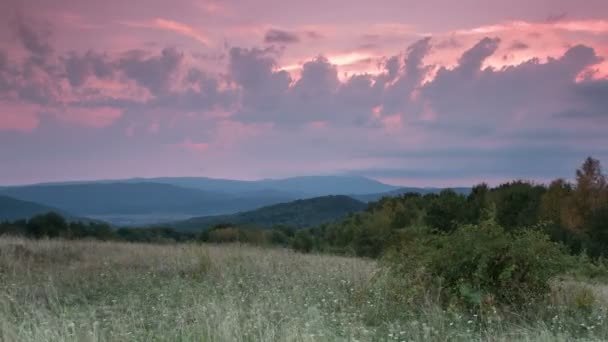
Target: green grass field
[{"x": 52, "y": 290}]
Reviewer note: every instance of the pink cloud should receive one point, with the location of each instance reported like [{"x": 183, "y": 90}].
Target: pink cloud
[
  {"x": 318, "y": 125},
  {"x": 542, "y": 40},
  {"x": 392, "y": 122},
  {"x": 18, "y": 118},
  {"x": 585, "y": 26},
  {"x": 70, "y": 19},
  {"x": 90, "y": 117},
  {"x": 213, "y": 8},
  {"x": 181, "y": 29},
  {"x": 189, "y": 145},
  {"x": 172, "y": 26}
]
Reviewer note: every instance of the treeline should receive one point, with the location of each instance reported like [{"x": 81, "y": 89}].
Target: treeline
[
  {"x": 53, "y": 225},
  {"x": 573, "y": 214}
]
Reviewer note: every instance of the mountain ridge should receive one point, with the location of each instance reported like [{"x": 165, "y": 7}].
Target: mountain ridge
[{"x": 304, "y": 185}]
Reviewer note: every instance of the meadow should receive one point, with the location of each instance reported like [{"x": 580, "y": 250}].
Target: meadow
[{"x": 59, "y": 290}]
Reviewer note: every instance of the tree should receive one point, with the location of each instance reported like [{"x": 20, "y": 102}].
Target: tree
[
  {"x": 47, "y": 225},
  {"x": 302, "y": 241},
  {"x": 478, "y": 202},
  {"x": 517, "y": 204},
  {"x": 590, "y": 193},
  {"x": 446, "y": 211},
  {"x": 555, "y": 201}
]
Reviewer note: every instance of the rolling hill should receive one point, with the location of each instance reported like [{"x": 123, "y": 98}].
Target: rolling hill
[
  {"x": 12, "y": 209},
  {"x": 299, "y": 213}
]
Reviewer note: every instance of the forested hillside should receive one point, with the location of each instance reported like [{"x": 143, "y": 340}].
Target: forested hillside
[
  {"x": 296, "y": 214},
  {"x": 575, "y": 214}
]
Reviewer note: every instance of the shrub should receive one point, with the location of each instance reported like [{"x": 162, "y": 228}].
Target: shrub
[
  {"x": 302, "y": 241},
  {"x": 480, "y": 264}
]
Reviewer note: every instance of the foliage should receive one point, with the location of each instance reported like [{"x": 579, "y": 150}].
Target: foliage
[
  {"x": 445, "y": 211},
  {"x": 517, "y": 204},
  {"x": 573, "y": 214},
  {"x": 481, "y": 264},
  {"x": 302, "y": 241}
]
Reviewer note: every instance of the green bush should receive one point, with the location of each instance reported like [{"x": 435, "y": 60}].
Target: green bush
[
  {"x": 480, "y": 264},
  {"x": 302, "y": 241}
]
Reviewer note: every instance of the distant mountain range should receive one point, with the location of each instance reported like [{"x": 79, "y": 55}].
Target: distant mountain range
[
  {"x": 305, "y": 186},
  {"x": 153, "y": 200},
  {"x": 299, "y": 214},
  {"x": 105, "y": 200}
]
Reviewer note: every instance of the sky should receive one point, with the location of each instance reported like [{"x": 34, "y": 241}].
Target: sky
[{"x": 419, "y": 93}]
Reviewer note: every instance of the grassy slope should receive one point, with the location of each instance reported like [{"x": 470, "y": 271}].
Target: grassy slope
[
  {"x": 300, "y": 213},
  {"x": 94, "y": 291}
]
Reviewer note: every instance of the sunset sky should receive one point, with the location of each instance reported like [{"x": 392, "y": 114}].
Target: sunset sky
[{"x": 420, "y": 93}]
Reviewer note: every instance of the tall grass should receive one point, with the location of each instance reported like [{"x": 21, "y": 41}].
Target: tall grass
[{"x": 53, "y": 290}]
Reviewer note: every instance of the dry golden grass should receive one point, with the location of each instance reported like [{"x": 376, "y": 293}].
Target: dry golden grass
[{"x": 52, "y": 290}]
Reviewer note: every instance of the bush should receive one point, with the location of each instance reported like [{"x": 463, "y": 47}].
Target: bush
[
  {"x": 302, "y": 241},
  {"x": 480, "y": 264}
]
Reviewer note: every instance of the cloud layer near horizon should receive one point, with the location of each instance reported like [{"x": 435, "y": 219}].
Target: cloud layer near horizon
[{"x": 515, "y": 99}]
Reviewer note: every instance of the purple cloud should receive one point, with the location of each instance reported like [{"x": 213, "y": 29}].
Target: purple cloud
[{"x": 154, "y": 73}]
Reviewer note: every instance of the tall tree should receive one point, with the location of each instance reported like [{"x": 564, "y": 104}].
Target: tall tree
[
  {"x": 590, "y": 193},
  {"x": 555, "y": 203}
]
